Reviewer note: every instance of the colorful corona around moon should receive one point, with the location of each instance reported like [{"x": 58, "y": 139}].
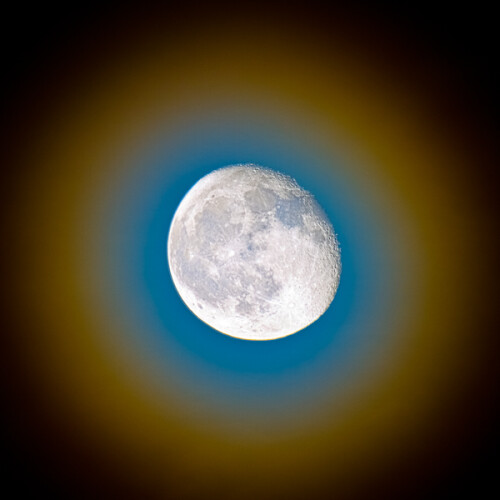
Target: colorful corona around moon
[{"x": 127, "y": 369}]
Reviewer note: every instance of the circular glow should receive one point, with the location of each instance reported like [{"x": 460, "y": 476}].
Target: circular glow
[{"x": 252, "y": 254}]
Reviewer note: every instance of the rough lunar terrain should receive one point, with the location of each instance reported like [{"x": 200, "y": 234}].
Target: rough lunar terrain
[{"x": 252, "y": 254}]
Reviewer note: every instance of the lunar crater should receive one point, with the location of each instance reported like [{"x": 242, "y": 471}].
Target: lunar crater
[{"x": 252, "y": 254}]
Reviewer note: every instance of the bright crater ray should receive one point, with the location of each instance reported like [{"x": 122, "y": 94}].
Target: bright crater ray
[{"x": 252, "y": 254}]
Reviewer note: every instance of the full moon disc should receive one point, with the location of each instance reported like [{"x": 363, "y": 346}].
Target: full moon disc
[{"x": 252, "y": 254}]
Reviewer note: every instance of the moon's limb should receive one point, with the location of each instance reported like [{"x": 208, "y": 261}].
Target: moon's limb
[{"x": 252, "y": 254}]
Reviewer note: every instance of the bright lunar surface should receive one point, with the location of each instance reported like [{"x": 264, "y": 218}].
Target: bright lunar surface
[{"x": 252, "y": 254}]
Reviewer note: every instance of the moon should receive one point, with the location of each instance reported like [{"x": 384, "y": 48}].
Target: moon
[{"x": 252, "y": 254}]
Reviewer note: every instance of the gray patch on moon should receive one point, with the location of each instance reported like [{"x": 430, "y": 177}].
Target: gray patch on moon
[{"x": 252, "y": 254}]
